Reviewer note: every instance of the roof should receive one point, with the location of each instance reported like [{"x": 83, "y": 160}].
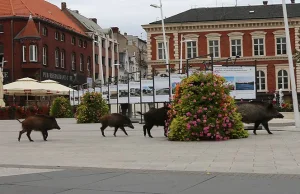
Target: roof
[
  {"x": 88, "y": 23},
  {"x": 29, "y": 31},
  {"x": 233, "y": 13},
  {"x": 39, "y": 9}
]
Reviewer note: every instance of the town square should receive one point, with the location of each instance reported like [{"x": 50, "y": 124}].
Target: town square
[{"x": 174, "y": 97}]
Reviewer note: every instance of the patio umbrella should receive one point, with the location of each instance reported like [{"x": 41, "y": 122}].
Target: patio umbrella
[
  {"x": 26, "y": 87},
  {"x": 58, "y": 89},
  {"x": 2, "y": 104}
]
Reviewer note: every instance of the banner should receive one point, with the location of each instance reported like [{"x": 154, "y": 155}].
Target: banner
[
  {"x": 240, "y": 79},
  {"x": 147, "y": 90},
  {"x": 161, "y": 88},
  {"x": 113, "y": 94},
  {"x": 135, "y": 92},
  {"x": 123, "y": 93}
]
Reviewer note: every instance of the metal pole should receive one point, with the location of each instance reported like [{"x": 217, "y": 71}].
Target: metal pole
[
  {"x": 128, "y": 91},
  {"x": 141, "y": 101},
  {"x": 164, "y": 34},
  {"x": 118, "y": 95},
  {"x": 170, "y": 87},
  {"x": 108, "y": 96},
  {"x": 187, "y": 68},
  {"x": 153, "y": 90},
  {"x": 291, "y": 65},
  {"x": 180, "y": 66}
]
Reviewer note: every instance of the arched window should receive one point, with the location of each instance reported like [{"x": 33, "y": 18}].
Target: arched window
[
  {"x": 62, "y": 58},
  {"x": 261, "y": 80},
  {"x": 81, "y": 62},
  {"x": 45, "y": 55},
  {"x": 57, "y": 60},
  {"x": 283, "y": 79},
  {"x": 73, "y": 61}
]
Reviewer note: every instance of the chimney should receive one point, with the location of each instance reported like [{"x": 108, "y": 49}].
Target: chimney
[
  {"x": 292, "y": 1},
  {"x": 94, "y": 20},
  {"x": 265, "y": 2},
  {"x": 115, "y": 29},
  {"x": 76, "y": 11},
  {"x": 125, "y": 33},
  {"x": 63, "y": 5}
]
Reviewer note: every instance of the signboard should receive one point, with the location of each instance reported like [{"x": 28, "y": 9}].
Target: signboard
[
  {"x": 65, "y": 78},
  {"x": 240, "y": 79}
]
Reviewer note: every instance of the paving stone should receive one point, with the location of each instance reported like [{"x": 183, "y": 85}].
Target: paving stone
[{"x": 18, "y": 189}]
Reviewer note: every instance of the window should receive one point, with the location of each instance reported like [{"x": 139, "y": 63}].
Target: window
[
  {"x": 109, "y": 62},
  {"x": 214, "y": 48},
  {"x": 103, "y": 43},
  {"x": 56, "y": 57},
  {"x": 161, "y": 50},
  {"x": 81, "y": 62},
  {"x": 236, "y": 47},
  {"x": 258, "y": 46},
  {"x": 33, "y": 53},
  {"x": 73, "y": 40},
  {"x": 261, "y": 80},
  {"x": 45, "y": 55},
  {"x": 96, "y": 59},
  {"x": 281, "y": 46},
  {"x": 283, "y": 79},
  {"x": 80, "y": 43},
  {"x": 62, "y": 59},
  {"x": 45, "y": 31},
  {"x": 88, "y": 63},
  {"x": 1, "y": 28},
  {"x": 2, "y": 52},
  {"x": 73, "y": 61},
  {"x": 103, "y": 61},
  {"x": 85, "y": 44},
  {"x": 191, "y": 48},
  {"x": 24, "y": 51},
  {"x": 56, "y": 35},
  {"x": 62, "y": 37},
  {"x": 116, "y": 48}
]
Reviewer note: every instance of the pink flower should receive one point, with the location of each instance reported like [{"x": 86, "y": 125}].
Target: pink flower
[
  {"x": 204, "y": 121},
  {"x": 224, "y": 125},
  {"x": 198, "y": 120},
  {"x": 208, "y": 135},
  {"x": 199, "y": 111},
  {"x": 213, "y": 94},
  {"x": 229, "y": 125},
  {"x": 194, "y": 101},
  {"x": 219, "y": 115},
  {"x": 195, "y": 116},
  {"x": 201, "y": 134},
  {"x": 188, "y": 114},
  {"x": 188, "y": 126},
  {"x": 203, "y": 98},
  {"x": 193, "y": 134},
  {"x": 227, "y": 121},
  {"x": 206, "y": 128},
  {"x": 202, "y": 84},
  {"x": 205, "y": 109}
]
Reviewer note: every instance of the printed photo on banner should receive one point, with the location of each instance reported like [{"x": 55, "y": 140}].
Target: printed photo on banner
[
  {"x": 123, "y": 93},
  {"x": 135, "y": 91},
  {"x": 147, "y": 90},
  {"x": 161, "y": 89},
  {"x": 113, "y": 94}
]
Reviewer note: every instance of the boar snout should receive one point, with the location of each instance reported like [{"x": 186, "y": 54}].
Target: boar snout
[
  {"x": 131, "y": 126},
  {"x": 280, "y": 116}
]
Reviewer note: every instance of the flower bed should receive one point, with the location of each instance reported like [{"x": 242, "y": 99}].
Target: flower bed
[{"x": 21, "y": 112}]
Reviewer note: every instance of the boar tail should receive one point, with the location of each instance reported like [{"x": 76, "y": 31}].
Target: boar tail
[
  {"x": 19, "y": 120},
  {"x": 138, "y": 112}
]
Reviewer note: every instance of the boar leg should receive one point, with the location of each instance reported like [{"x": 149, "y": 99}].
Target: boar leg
[
  {"x": 45, "y": 135},
  {"x": 148, "y": 130},
  {"x": 266, "y": 126},
  {"x": 20, "y": 134},
  {"x": 116, "y": 129},
  {"x": 255, "y": 127},
  {"x": 145, "y": 129},
  {"x": 123, "y": 129},
  {"x": 102, "y": 129},
  {"x": 28, "y": 135}
]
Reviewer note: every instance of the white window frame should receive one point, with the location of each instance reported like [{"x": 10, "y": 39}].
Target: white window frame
[
  {"x": 193, "y": 38},
  {"x": 81, "y": 62},
  {"x": 24, "y": 53},
  {"x": 73, "y": 61},
  {"x": 214, "y": 37},
  {"x": 88, "y": 63},
  {"x": 285, "y": 67},
  {"x": 45, "y": 31},
  {"x": 160, "y": 40},
  {"x": 62, "y": 37},
  {"x": 73, "y": 43},
  {"x": 263, "y": 68},
  {"x": 279, "y": 34},
  {"x": 258, "y": 35},
  {"x": 80, "y": 43},
  {"x": 56, "y": 35},
  {"x": 62, "y": 58},
  {"x": 34, "y": 54},
  {"x": 45, "y": 51},
  {"x": 236, "y": 36},
  {"x": 56, "y": 57}
]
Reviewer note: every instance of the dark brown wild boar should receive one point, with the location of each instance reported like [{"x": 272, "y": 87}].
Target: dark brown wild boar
[
  {"x": 42, "y": 123},
  {"x": 117, "y": 121},
  {"x": 259, "y": 113},
  {"x": 155, "y": 117}
]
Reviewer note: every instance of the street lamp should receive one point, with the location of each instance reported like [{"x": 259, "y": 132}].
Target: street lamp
[
  {"x": 291, "y": 65},
  {"x": 181, "y": 43},
  {"x": 164, "y": 33}
]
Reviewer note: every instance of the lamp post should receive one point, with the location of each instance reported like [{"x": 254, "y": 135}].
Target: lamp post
[
  {"x": 163, "y": 29},
  {"x": 291, "y": 66},
  {"x": 181, "y": 45},
  {"x": 203, "y": 56}
]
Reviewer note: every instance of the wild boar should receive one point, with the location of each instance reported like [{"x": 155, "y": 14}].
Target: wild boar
[
  {"x": 42, "y": 123},
  {"x": 154, "y": 117},
  {"x": 117, "y": 121},
  {"x": 258, "y": 113}
]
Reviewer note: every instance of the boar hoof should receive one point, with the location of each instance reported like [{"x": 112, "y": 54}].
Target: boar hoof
[
  {"x": 31, "y": 141},
  {"x": 270, "y": 133},
  {"x": 115, "y": 135},
  {"x": 254, "y": 132}
]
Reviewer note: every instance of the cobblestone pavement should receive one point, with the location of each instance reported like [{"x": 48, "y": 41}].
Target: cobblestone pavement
[{"x": 83, "y": 146}]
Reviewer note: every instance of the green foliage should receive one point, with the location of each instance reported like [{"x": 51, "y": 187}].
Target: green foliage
[
  {"x": 61, "y": 108},
  {"x": 204, "y": 110},
  {"x": 92, "y": 107}
]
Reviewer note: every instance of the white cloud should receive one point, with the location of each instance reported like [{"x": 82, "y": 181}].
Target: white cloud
[{"x": 129, "y": 15}]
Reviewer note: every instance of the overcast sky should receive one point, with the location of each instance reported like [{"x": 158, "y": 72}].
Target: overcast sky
[{"x": 129, "y": 15}]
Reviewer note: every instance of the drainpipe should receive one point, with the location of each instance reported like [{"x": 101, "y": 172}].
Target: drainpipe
[{"x": 12, "y": 49}]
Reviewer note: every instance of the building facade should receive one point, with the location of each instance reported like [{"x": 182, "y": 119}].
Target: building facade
[
  {"x": 105, "y": 46},
  {"x": 43, "y": 44},
  {"x": 253, "y": 33}
]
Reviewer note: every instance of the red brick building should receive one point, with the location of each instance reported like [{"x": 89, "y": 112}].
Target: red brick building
[
  {"x": 40, "y": 41},
  {"x": 255, "y": 33}
]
